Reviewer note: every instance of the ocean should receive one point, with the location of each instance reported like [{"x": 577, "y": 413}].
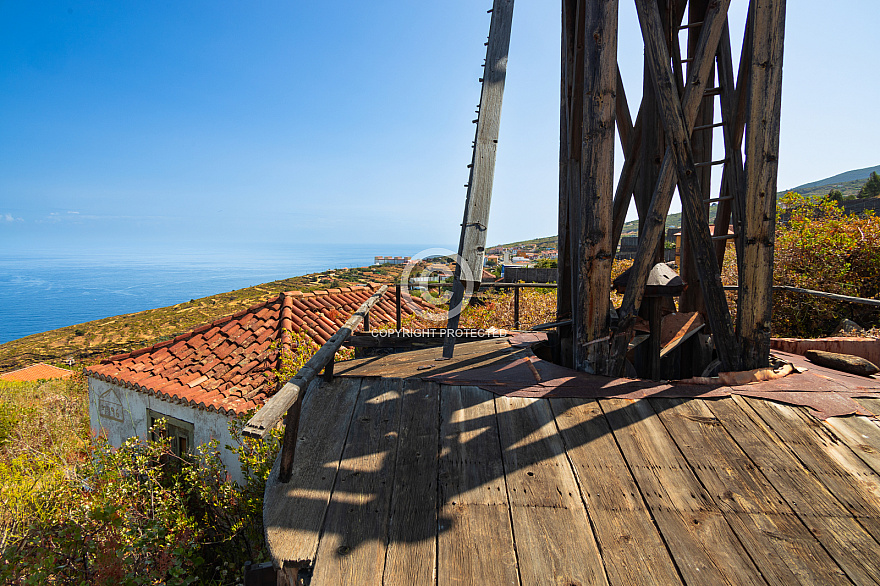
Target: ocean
[{"x": 41, "y": 291}]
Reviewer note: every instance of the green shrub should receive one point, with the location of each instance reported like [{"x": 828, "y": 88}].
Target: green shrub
[{"x": 81, "y": 512}]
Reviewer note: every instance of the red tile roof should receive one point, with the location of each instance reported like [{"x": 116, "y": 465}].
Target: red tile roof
[
  {"x": 37, "y": 371},
  {"x": 226, "y": 365}
]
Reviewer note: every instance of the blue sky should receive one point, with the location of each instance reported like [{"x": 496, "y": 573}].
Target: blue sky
[{"x": 194, "y": 124}]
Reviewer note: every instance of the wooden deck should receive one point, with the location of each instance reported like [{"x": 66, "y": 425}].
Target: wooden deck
[{"x": 401, "y": 481}]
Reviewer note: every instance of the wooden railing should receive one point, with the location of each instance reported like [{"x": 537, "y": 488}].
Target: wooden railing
[
  {"x": 495, "y": 285},
  {"x": 289, "y": 399}
]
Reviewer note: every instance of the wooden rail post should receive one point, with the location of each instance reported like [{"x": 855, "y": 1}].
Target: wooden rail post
[
  {"x": 399, "y": 316},
  {"x": 516, "y": 308}
]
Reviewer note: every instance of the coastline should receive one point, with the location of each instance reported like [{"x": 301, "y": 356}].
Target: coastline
[{"x": 91, "y": 341}]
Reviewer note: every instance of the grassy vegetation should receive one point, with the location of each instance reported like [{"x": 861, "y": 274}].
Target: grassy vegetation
[{"x": 90, "y": 341}]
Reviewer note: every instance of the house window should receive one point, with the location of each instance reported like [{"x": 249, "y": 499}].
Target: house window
[{"x": 180, "y": 432}]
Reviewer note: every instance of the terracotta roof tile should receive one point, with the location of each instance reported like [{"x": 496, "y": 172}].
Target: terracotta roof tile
[{"x": 225, "y": 365}]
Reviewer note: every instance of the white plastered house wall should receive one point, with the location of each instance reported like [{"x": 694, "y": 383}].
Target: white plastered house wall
[{"x": 121, "y": 413}]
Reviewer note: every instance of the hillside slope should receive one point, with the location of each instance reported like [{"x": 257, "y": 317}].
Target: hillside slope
[{"x": 841, "y": 178}]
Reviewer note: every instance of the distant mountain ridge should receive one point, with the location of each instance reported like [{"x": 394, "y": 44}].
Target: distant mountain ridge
[
  {"x": 848, "y": 182},
  {"x": 854, "y": 175}
]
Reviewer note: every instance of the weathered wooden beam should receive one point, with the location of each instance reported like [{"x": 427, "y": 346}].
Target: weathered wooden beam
[
  {"x": 678, "y": 121},
  {"x": 472, "y": 244},
  {"x": 593, "y": 235},
  {"x": 762, "y": 157}
]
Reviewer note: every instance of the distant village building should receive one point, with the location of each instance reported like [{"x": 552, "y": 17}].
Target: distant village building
[
  {"x": 391, "y": 260},
  {"x": 35, "y": 372},
  {"x": 200, "y": 379}
]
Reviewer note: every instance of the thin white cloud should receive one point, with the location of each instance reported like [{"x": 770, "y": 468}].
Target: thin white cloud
[
  {"x": 10, "y": 218},
  {"x": 79, "y": 218}
]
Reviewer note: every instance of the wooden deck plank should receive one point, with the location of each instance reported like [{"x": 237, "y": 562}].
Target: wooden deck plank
[
  {"x": 846, "y": 476},
  {"x": 702, "y": 543},
  {"x": 780, "y": 545},
  {"x": 353, "y": 545},
  {"x": 412, "y": 533},
  {"x": 475, "y": 540},
  {"x": 293, "y": 513},
  {"x": 845, "y": 540},
  {"x": 554, "y": 540},
  {"x": 632, "y": 548},
  {"x": 785, "y": 550},
  {"x": 872, "y": 405},
  {"x": 732, "y": 481},
  {"x": 861, "y": 435},
  {"x": 470, "y": 468}
]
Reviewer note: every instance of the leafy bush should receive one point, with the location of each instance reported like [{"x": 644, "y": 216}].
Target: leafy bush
[
  {"x": 75, "y": 510},
  {"x": 818, "y": 247}
]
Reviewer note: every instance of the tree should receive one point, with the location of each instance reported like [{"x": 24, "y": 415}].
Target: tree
[
  {"x": 835, "y": 195},
  {"x": 872, "y": 187}
]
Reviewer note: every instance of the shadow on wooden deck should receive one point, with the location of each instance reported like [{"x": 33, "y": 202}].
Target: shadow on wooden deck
[{"x": 401, "y": 481}]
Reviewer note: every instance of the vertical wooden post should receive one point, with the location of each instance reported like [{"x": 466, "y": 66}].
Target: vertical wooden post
[
  {"x": 472, "y": 244},
  {"x": 566, "y": 162},
  {"x": 399, "y": 316},
  {"x": 762, "y": 154},
  {"x": 594, "y": 224}
]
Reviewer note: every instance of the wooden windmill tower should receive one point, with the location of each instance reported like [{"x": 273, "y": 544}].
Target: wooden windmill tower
[{"x": 691, "y": 98}]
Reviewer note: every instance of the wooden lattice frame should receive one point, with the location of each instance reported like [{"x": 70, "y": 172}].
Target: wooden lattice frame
[{"x": 592, "y": 213}]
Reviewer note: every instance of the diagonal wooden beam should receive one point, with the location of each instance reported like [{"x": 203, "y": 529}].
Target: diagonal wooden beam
[
  {"x": 624, "y": 117},
  {"x": 733, "y": 180},
  {"x": 632, "y": 161},
  {"x": 762, "y": 159},
  {"x": 627, "y": 181},
  {"x": 472, "y": 242},
  {"x": 678, "y": 119}
]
